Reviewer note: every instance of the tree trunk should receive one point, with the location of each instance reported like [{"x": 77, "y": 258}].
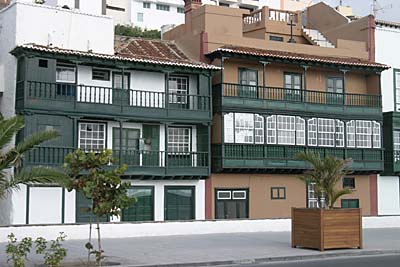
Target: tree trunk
[
  {"x": 90, "y": 240},
  {"x": 100, "y": 252}
]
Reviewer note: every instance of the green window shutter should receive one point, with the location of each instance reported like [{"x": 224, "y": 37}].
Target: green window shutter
[
  {"x": 83, "y": 213},
  {"x": 202, "y": 145}
]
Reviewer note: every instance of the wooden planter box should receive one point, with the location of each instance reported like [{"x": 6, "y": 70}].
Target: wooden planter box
[{"x": 326, "y": 229}]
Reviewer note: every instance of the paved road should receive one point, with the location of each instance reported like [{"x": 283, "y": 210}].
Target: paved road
[
  {"x": 214, "y": 247},
  {"x": 365, "y": 261}
]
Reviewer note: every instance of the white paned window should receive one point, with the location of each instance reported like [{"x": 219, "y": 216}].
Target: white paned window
[
  {"x": 286, "y": 130},
  {"x": 339, "y": 133},
  {"x": 363, "y": 134},
  {"x": 396, "y": 145},
  {"x": 65, "y": 74},
  {"x": 271, "y": 129},
  {"x": 326, "y": 132},
  {"x": 228, "y": 128},
  {"x": 178, "y": 87},
  {"x": 244, "y": 128},
  {"x": 92, "y": 136},
  {"x": 397, "y": 88},
  {"x": 178, "y": 139},
  {"x": 259, "y": 129},
  {"x": 376, "y": 133},
  {"x": 312, "y": 132},
  {"x": 300, "y": 131},
  {"x": 351, "y": 133}
]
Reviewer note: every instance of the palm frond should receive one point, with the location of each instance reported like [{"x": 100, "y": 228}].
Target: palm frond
[
  {"x": 37, "y": 175},
  {"x": 337, "y": 194},
  {"x": 36, "y": 139},
  {"x": 8, "y": 128}
]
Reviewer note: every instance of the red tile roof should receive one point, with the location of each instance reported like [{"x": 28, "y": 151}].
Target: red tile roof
[
  {"x": 135, "y": 50},
  {"x": 240, "y": 50}
]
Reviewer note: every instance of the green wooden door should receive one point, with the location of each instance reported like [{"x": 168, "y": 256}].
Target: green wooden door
[
  {"x": 292, "y": 86},
  {"x": 179, "y": 203},
  {"x": 120, "y": 92},
  {"x": 334, "y": 91},
  {"x": 151, "y": 153},
  {"x": 231, "y": 204},
  {"x": 129, "y": 145},
  {"x": 83, "y": 210},
  {"x": 248, "y": 80},
  {"x": 143, "y": 208}
]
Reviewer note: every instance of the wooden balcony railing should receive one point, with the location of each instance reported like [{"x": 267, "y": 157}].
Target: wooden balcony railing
[
  {"x": 54, "y": 156},
  {"x": 72, "y": 93},
  {"x": 294, "y": 95}
]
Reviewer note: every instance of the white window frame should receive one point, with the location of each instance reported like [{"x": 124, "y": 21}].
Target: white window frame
[
  {"x": 244, "y": 128},
  {"x": 312, "y": 134},
  {"x": 300, "y": 131},
  {"x": 178, "y": 95},
  {"x": 224, "y": 191},
  {"x": 258, "y": 129},
  {"x": 326, "y": 132},
  {"x": 363, "y": 134},
  {"x": 229, "y": 136},
  {"x": 239, "y": 191},
  {"x": 69, "y": 78},
  {"x": 179, "y": 142},
  {"x": 376, "y": 135},
  {"x": 286, "y": 128},
  {"x": 339, "y": 132},
  {"x": 271, "y": 129},
  {"x": 80, "y": 138},
  {"x": 351, "y": 133}
]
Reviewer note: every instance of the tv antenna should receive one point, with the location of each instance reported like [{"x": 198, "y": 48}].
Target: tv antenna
[{"x": 376, "y": 7}]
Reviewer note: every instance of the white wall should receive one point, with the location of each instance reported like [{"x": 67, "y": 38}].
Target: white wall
[
  {"x": 68, "y": 29},
  {"x": 45, "y": 205},
  {"x": 386, "y": 43},
  {"x": 153, "y": 18},
  {"x": 120, "y": 17},
  {"x": 388, "y": 195}
]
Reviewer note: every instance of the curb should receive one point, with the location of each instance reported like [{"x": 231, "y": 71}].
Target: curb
[{"x": 274, "y": 259}]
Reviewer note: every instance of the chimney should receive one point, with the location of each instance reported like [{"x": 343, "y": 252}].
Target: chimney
[{"x": 190, "y": 5}]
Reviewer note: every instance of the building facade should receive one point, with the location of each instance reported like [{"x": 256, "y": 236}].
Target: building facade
[
  {"x": 145, "y": 100},
  {"x": 282, "y": 92}
]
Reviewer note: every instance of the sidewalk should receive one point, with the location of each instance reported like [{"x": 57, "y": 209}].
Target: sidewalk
[{"x": 218, "y": 249}]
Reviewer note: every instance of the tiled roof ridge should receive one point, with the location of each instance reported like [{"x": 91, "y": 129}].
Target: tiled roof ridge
[
  {"x": 117, "y": 36},
  {"x": 295, "y": 55},
  {"x": 127, "y": 57}
]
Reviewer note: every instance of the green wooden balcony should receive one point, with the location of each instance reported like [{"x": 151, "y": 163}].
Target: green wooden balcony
[
  {"x": 143, "y": 164},
  {"x": 392, "y": 162},
  {"x": 282, "y": 159},
  {"x": 96, "y": 100},
  {"x": 242, "y": 97}
]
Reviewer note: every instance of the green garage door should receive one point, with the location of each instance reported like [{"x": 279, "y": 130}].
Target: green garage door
[
  {"x": 179, "y": 203},
  {"x": 231, "y": 203},
  {"x": 143, "y": 208}
]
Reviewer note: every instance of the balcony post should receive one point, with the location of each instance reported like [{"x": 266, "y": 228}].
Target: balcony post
[
  {"x": 166, "y": 148},
  {"x": 344, "y": 85},
  {"x": 121, "y": 99},
  {"x": 166, "y": 98},
  {"x": 264, "y": 63},
  {"x": 209, "y": 147},
  {"x": 305, "y": 68},
  {"x": 120, "y": 140},
  {"x": 75, "y": 130}
]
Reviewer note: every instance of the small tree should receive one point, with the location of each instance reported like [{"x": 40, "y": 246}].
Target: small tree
[
  {"x": 93, "y": 176},
  {"x": 136, "y": 31},
  {"x": 325, "y": 174}
]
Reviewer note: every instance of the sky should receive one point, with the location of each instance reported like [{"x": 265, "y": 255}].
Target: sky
[{"x": 364, "y": 7}]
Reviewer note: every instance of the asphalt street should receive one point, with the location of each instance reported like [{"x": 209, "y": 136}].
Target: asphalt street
[{"x": 365, "y": 261}]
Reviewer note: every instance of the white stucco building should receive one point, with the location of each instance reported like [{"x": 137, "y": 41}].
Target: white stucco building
[
  {"x": 387, "y": 40},
  {"x": 153, "y": 14}
]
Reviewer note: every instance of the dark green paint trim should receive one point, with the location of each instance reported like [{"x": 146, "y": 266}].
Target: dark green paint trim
[
  {"x": 151, "y": 187},
  {"x": 394, "y": 90},
  {"x": 63, "y": 205},
  {"x": 28, "y": 193}
]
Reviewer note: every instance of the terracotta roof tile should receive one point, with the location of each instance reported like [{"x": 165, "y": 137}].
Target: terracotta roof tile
[
  {"x": 297, "y": 56},
  {"x": 135, "y": 50}
]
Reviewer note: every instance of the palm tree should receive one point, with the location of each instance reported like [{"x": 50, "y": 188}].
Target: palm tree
[
  {"x": 325, "y": 174},
  {"x": 11, "y": 157}
]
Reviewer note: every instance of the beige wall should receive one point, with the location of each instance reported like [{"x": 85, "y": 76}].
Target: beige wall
[
  {"x": 356, "y": 82},
  {"x": 261, "y": 205}
]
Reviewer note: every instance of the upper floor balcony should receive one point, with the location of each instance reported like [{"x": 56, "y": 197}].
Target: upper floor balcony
[
  {"x": 108, "y": 101},
  {"x": 248, "y": 97}
]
